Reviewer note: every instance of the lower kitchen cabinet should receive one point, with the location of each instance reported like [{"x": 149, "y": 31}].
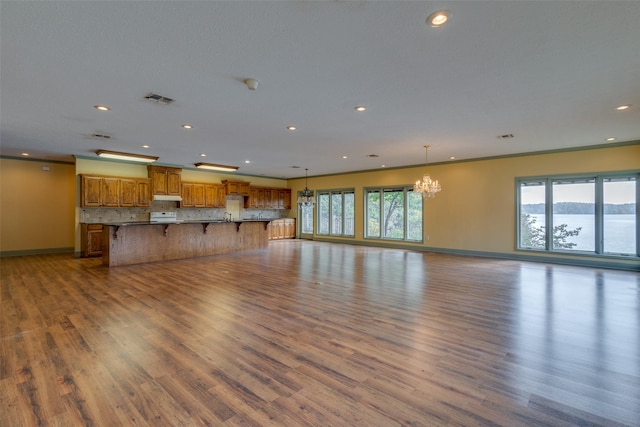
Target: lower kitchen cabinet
[
  {"x": 91, "y": 240},
  {"x": 282, "y": 229}
]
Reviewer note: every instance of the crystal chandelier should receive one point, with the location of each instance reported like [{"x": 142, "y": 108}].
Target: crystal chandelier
[
  {"x": 427, "y": 187},
  {"x": 305, "y": 197}
]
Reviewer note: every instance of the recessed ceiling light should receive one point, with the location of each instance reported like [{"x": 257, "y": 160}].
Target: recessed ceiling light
[
  {"x": 25, "y": 154},
  {"x": 203, "y": 155},
  {"x": 623, "y": 107},
  {"x": 360, "y": 108},
  {"x": 439, "y": 18},
  {"x": 101, "y": 107},
  {"x": 187, "y": 126},
  {"x": 291, "y": 127},
  {"x": 452, "y": 158},
  {"x": 345, "y": 157},
  {"x": 611, "y": 138},
  {"x": 383, "y": 166},
  {"x": 247, "y": 161},
  {"x": 145, "y": 146}
]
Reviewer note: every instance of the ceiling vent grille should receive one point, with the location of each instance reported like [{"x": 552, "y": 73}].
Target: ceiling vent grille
[
  {"x": 100, "y": 136},
  {"x": 505, "y": 136},
  {"x": 158, "y": 98}
]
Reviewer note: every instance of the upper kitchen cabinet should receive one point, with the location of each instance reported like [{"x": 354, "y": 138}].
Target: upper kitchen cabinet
[
  {"x": 237, "y": 188},
  {"x": 165, "y": 180},
  {"x": 113, "y": 192}
]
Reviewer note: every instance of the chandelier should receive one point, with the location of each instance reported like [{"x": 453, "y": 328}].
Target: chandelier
[
  {"x": 427, "y": 187},
  {"x": 305, "y": 197}
]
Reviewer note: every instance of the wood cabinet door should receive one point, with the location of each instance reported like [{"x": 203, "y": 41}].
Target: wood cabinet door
[
  {"x": 187, "y": 195},
  {"x": 143, "y": 193},
  {"x": 91, "y": 191},
  {"x": 91, "y": 240},
  {"x": 290, "y": 228},
  {"x": 127, "y": 192},
  {"x": 243, "y": 189},
  {"x": 284, "y": 199},
  {"x": 173, "y": 182},
  {"x": 111, "y": 192},
  {"x": 198, "y": 195},
  {"x": 222, "y": 196},
  {"x": 159, "y": 179},
  {"x": 210, "y": 194}
]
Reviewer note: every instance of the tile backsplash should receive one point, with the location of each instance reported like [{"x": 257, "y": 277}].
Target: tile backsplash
[{"x": 100, "y": 215}]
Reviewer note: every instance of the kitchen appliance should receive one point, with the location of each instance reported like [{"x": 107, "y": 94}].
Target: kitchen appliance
[{"x": 163, "y": 217}]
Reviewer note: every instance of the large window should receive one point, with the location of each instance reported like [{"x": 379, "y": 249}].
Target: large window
[
  {"x": 393, "y": 214},
  {"x": 591, "y": 214},
  {"x": 336, "y": 213}
]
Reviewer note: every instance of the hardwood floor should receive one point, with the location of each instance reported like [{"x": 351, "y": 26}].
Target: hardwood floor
[{"x": 314, "y": 334}]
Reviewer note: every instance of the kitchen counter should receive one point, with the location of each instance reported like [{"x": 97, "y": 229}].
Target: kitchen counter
[{"x": 136, "y": 242}]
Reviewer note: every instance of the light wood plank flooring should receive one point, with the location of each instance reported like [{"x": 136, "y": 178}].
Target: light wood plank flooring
[{"x": 314, "y": 334}]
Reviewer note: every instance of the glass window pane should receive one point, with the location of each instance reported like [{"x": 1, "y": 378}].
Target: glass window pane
[
  {"x": 307, "y": 220},
  {"x": 336, "y": 214},
  {"x": 414, "y": 216},
  {"x": 532, "y": 215},
  {"x": 323, "y": 213},
  {"x": 349, "y": 205},
  {"x": 619, "y": 232},
  {"x": 574, "y": 214},
  {"x": 373, "y": 214},
  {"x": 393, "y": 214}
]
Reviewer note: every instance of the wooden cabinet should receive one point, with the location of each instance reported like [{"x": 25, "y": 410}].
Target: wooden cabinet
[
  {"x": 284, "y": 198},
  {"x": 113, "y": 192},
  {"x": 165, "y": 180},
  {"x": 237, "y": 188},
  {"x": 127, "y": 192},
  {"x": 282, "y": 229},
  {"x": 91, "y": 191},
  {"x": 91, "y": 240},
  {"x": 215, "y": 196},
  {"x": 143, "y": 193},
  {"x": 268, "y": 198},
  {"x": 192, "y": 195}
]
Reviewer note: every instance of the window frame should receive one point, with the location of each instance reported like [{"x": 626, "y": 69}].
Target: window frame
[
  {"x": 330, "y": 193},
  {"x": 598, "y": 180},
  {"x": 406, "y": 189}
]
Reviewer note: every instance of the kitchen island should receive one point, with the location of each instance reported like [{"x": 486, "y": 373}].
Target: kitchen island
[{"x": 141, "y": 242}]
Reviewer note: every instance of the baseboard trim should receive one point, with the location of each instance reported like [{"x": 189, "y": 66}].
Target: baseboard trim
[
  {"x": 4, "y": 254},
  {"x": 592, "y": 263}
]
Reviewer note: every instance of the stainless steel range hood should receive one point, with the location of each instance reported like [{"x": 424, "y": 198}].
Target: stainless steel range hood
[{"x": 166, "y": 197}]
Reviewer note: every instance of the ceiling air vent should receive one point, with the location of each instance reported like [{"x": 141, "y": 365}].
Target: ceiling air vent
[
  {"x": 505, "y": 136},
  {"x": 372, "y": 155},
  {"x": 100, "y": 136},
  {"x": 158, "y": 98}
]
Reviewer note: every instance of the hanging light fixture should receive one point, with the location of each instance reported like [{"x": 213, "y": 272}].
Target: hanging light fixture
[
  {"x": 427, "y": 187},
  {"x": 305, "y": 197}
]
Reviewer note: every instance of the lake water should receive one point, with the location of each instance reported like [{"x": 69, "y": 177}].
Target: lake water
[{"x": 619, "y": 232}]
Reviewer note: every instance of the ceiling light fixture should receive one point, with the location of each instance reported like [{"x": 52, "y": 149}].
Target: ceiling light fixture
[
  {"x": 116, "y": 155},
  {"x": 427, "y": 187},
  {"x": 25, "y": 154},
  {"x": 247, "y": 161},
  {"x": 101, "y": 107},
  {"x": 345, "y": 157},
  {"x": 360, "y": 108},
  {"x": 291, "y": 127},
  {"x": 623, "y": 107},
  {"x": 214, "y": 167},
  {"x": 439, "y": 18},
  {"x": 305, "y": 197},
  {"x": 611, "y": 138},
  {"x": 252, "y": 84},
  {"x": 203, "y": 155},
  {"x": 186, "y": 126},
  {"x": 145, "y": 146}
]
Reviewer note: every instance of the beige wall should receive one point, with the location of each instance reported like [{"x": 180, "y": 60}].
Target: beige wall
[
  {"x": 476, "y": 209},
  {"x": 36, "y": 206}
]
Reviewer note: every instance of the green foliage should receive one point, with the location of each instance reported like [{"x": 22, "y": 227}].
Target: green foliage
[{"x": 532, "y": 236}]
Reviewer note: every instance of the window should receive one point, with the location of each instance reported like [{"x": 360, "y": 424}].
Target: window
[
  {"x": 336, "y": 213},
  {"x": 584, "y": 214},
  {"x": 393, "y": 214}
]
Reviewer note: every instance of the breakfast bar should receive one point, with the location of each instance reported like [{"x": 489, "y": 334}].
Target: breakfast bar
[{"x": 141, "y": 242}]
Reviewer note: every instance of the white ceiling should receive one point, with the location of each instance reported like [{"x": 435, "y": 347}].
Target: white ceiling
[{"x": 550, "y": 72}]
